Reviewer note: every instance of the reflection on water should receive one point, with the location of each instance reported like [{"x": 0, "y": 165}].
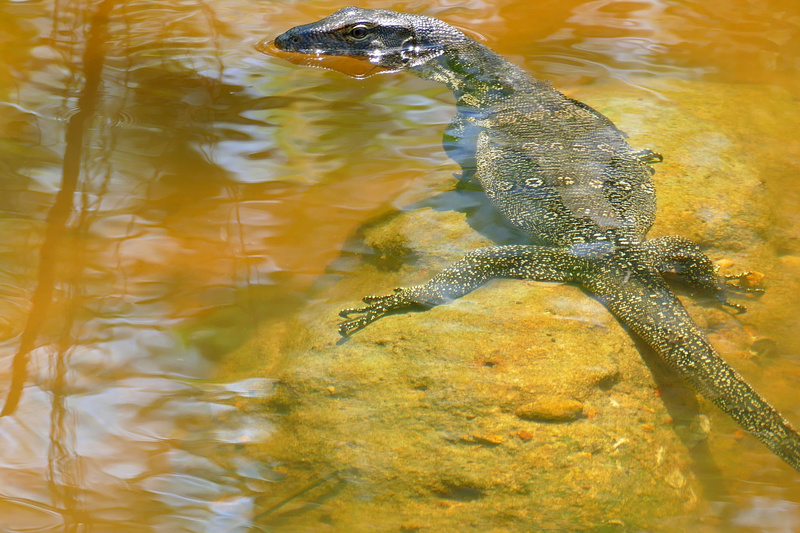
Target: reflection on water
[
  {"x": 129, "y": 250},
  {"x": 166, "y": 190}
]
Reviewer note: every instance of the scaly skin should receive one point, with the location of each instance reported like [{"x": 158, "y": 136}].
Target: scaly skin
[{"x": 562, "y": 172}]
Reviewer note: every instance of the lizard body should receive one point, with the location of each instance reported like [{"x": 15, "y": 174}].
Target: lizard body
[{"x": 564, "y": 174}]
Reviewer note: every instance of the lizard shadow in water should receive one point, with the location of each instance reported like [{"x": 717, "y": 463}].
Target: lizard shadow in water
[
  {"x": 682, "y": 405},
  {"x": 481, "y": 215},
  {"x": 681, "y": 402},
  {"x": 466, "y": 197}
]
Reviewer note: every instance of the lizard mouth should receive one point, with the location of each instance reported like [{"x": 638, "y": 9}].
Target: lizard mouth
[{"x": 353, "y": 66}]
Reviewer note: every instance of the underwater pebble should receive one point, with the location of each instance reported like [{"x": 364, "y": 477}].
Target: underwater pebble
[
  {"x": 675, "y": 479},
  {"x": 699, "y": 430},
  {"x": 551, "y": 410},
  {"x": 753, "y": 279},
  {"x": 489, "y": 438},
  {"x": 524, "y": 435},
  {"x": 764, "y": 348}
]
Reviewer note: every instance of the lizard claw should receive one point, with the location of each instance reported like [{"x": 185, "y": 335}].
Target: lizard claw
[
  {"x": 739, "y": 307},
  {"x": 345, "y": 313},
  {"x": 349, "y": 326},
  {"x": 373, "y": 299},
  {"x": 649, "y": 157}
]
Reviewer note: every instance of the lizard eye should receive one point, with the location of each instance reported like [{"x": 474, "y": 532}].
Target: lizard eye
[{"x": 359, "y": 32}]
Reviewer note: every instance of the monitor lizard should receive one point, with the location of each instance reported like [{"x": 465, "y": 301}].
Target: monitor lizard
[{"x": 558, "y": 170}]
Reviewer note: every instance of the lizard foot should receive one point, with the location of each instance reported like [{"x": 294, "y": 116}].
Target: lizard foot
[
  {"x": 649, "y": 157},
  {"x": 377, "y": 306},
  {"x": 747, "y": 281}
]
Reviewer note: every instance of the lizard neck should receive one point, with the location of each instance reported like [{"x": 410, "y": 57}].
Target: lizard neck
[{"x": 478, "y": 76}]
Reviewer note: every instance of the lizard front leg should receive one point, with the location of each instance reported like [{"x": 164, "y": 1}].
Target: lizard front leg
[{"x": 510, "y": 261}]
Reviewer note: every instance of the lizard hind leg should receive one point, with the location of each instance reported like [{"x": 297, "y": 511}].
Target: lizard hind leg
[{"x": 684, "y": 258}]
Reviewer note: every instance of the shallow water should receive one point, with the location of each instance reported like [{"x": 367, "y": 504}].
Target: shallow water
[{"x": 172, "y": 200}]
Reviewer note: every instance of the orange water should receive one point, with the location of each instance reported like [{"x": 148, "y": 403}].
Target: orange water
[{"x": 165, "y": 188}]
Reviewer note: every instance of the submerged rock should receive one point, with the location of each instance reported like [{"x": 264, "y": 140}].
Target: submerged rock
[
  {"x": 369, "y": 429},
  {"x": 551, "y": 409}
]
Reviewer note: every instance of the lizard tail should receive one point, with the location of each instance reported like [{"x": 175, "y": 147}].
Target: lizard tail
[{"x": 642, "y": 301}]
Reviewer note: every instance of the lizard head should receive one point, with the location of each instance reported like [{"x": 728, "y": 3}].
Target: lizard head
[{"x": 362, "y": 42}]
